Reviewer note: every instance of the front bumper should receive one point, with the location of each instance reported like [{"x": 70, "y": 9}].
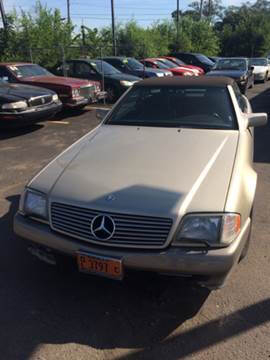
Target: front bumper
[
  {"x": 259, "y": 76},
  {"x": 210, "y": 267},
  {"x": 72, "y": 103},
  {"x": 30, "y": 116}
]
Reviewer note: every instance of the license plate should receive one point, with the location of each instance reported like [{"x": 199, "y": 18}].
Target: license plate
[{"x": 99, "y": 265}]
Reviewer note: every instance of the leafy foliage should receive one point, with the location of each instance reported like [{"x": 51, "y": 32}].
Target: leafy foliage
[{"x": 44, "y": 37}]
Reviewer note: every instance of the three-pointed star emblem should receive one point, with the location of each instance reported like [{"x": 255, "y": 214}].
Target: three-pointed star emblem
[{"x": 102, "y": 227}]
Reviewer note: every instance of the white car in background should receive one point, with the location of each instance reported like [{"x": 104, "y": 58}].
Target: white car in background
[{"x": 261, "y": 69}]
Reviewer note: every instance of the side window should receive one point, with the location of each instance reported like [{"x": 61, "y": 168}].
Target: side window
[
  {"x": 240, "y": 99},
  {"x": 189, "y": 59},
  {"x": 82, "y": 69},
  {"x": 66, "y": 68},
  {"x": 5, "y": 75},
  {"x": 115, "y": 63}
]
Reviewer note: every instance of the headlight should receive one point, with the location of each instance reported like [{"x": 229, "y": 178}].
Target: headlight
[
  {"x": 55, "y": 98},
  {"x": 75, "y": 93},
  {"x": 19, "y": 105},
  {"x": 126, "y": 83},
  {"x": 242, "y": 78},
  {"x": 160, "y": 74},
  {"x": 187, "y": 73},
  {"x": 33, "y": 203},
  {"x": 210, "y": 230}
]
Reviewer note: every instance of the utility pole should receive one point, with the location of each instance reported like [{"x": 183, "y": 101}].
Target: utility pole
[
  {"x": 201, "y": 9},
  {"x": 177, "y": 20},
  {"x": 113, "y": 29},
  {"x": 3, "y": 15},
  {"x": 209, "y": 9},
  {"x": 68, "y": 10}
]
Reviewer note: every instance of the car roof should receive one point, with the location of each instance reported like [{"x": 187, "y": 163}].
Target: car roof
[
  {"x": 211, "y": 81},
  {"x": 15, "y": 63},
  {"x": 116, "y": 57}
]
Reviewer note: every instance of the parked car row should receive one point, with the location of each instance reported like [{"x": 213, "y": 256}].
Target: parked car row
[{"x": 79, "y": 82}]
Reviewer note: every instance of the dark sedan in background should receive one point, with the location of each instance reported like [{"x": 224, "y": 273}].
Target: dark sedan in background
[
  {"x": 199, "y": 60},
  {"x": 115, "y": 82},
  {"x": 129, "y": 65},
  {"x": 237, "y": 69},
  {"x": 22, "y": 105}
]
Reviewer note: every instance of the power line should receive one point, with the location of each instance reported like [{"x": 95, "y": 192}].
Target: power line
[
  {"x": 118, "y": 7},
  {"x": 120, "y": 15}
]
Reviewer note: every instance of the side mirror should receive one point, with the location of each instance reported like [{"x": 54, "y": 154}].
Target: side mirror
[
  {"x": 257, "y": 119},
  {"x": 251, "y": 68},
  {"x": 101, "y": 113}
]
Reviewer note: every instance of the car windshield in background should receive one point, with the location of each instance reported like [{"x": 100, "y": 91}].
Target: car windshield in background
[
  {"x": 191, "y": 107},
  {"x": 205, "y": 59},
  {"x": 134, "y": 64},
  {"x": 23, "y": 71},
  {"x": 231, "y": 64},
  {"x": 258, "y": 62},
  {"x": 161, "y": 65},
  {"x": 168, "y": 63},
  {"x": 103, "y": 66},
  {"x": 178, "y": 62}
]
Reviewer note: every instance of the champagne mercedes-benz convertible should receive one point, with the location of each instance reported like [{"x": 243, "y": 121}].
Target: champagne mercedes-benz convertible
[{"x": 164, "y": 184}]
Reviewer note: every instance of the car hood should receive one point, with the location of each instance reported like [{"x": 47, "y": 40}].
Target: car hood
[
  {"x": 259, "y": 69},
  {"x": 146, "y": 174},
  {"x": 122, "y": 76},
  {"x": 16, "y": 92},
  {"x": 56, "y": 80},
  {"x": 150, "y": 71},
  {"x": 235, "y": 74}
]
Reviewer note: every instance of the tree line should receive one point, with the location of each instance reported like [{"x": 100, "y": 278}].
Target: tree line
[{"x": 44, "y": 37}]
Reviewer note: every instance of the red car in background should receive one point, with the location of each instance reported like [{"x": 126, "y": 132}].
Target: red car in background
[
  {"x": 74, "y": 93},
  {"x": 181, "y": 63},
  {"x": 158, "y": 63}
]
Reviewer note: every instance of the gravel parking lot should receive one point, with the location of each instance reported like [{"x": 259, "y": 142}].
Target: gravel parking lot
[{"x": 48, "y": 315}]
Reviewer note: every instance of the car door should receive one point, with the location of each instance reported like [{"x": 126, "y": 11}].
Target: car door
[{"x": 83, "y": 70}]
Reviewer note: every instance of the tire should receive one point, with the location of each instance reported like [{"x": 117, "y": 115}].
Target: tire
[
  {"x": 246, "y": 247},
  {"x": 112, "y": 95},
  {"x": 252, "y": 85},
  {"x": 265, "y": 78}
]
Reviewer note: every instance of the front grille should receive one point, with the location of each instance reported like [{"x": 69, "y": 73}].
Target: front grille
[
  {"x": 130, "y": 230},
  {"x": 40, "y": 100},
  {"x": 87, "y": 91}
]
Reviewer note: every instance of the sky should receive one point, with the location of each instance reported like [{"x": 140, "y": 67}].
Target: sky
[{"x": 97, "y": 13}]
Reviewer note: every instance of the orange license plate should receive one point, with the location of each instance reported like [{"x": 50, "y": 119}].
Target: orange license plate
[{"x": 99, "y": 265}]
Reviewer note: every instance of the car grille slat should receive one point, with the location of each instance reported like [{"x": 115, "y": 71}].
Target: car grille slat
[
  {"x": 40, "y": 100},
  {"x": 130, "y": 230}
]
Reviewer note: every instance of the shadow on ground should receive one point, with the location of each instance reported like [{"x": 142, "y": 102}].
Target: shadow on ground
[
  {"x": 8, "y": 133},
  {"x": 42, "y": 305}
]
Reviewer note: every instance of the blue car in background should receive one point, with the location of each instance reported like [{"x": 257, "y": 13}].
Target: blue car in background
[{"x": 132, "y": 66}]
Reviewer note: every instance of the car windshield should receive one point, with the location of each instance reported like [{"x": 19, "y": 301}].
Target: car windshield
[
  {"x": 258, "y": 62},
  {"x": 231, "y": 64},
  {"x": 204, "y": 59},
  {"x": 23, "y": 71},
  {"x": 104, "y": 67},
  {"x": 134, "y": 64},
  {"x": 169, "y": 63},
  {"x": 178, "y": 62},
  {"x": 191, "y": 107},
  {"x": 161, "y": 64}
]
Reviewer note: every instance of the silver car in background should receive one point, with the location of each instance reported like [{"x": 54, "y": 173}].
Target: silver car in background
[
  {"x": 164, "y": 184},
  {"x": 261, "y": 69}
]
